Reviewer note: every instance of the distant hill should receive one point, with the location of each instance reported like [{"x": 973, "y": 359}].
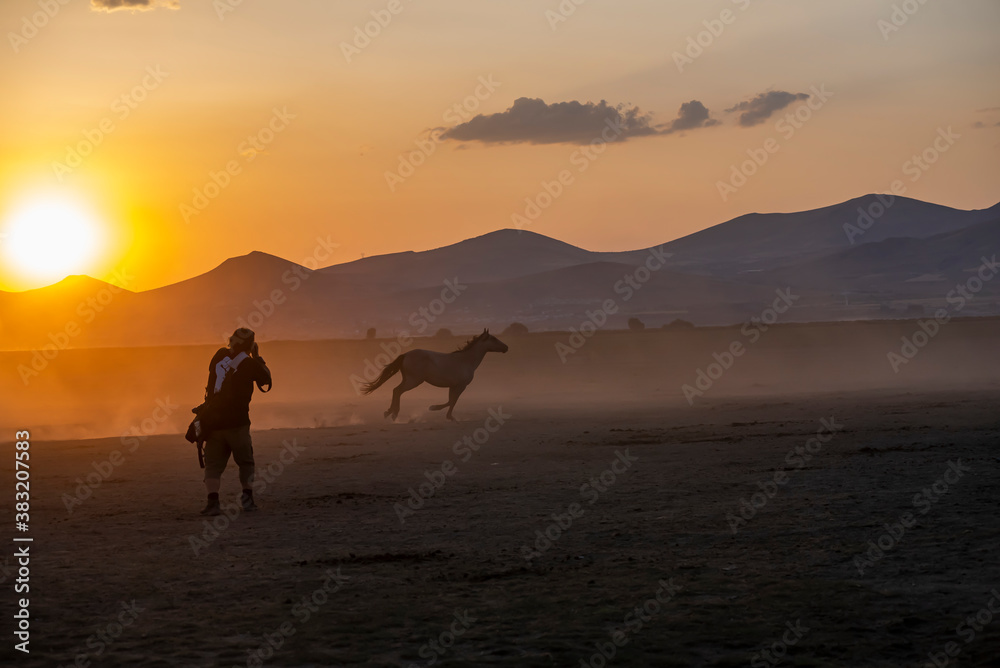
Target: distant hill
[
  {"x": 724, "y": 274},
  {"x": 255, "y": 272},
  {"x": 763, "y": 241},
  {"x": 61, "y": 312},
  {"x": 491, "y": 257},
  {"x": 899, "y": 267}
]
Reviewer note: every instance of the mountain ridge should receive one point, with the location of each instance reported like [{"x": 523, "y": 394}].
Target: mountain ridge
[{"x": 716, "y": 276}]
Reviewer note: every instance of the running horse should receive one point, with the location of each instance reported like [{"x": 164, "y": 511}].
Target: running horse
[{"x": 452, "y": 370}]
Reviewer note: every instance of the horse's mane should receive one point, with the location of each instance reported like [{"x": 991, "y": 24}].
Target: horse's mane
[{"x": 470, "y": 343}]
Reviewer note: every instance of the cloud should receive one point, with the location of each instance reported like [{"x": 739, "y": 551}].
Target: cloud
[
  {"x": 532, "y": 121},
  {"x": 979, "y": 125},
  {"x": 141, "y": 5},
  {"x": 691, "y": 115},
  {"x": 760, "y": 108}
]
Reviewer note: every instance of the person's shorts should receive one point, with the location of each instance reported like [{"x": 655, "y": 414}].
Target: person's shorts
[{"x": 224, "y": 442}]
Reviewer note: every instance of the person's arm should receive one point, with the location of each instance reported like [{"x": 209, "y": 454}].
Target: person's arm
[
  {"x": 211, "y": 376},
  {"x": 263, "y": 374},
  {"x": 212, "y": 373}
]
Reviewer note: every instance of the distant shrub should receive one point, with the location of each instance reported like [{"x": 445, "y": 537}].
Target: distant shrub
[
  {"x": 515, "y": 329},
  {"x": 914, "y": 309},
  {"x": 370, "y": 334},
  {"x": 679, "y": 324},
  {"x": 636, "y": 325},
  {"x": 443, "y": 333}
]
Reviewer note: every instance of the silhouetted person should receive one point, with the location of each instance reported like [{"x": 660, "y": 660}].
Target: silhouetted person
[{"x": 231, "y": 377}]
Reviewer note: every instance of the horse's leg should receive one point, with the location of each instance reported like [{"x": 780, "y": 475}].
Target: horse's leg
[
  {"x": 408, "y": 384},
  {"x": 453, "y": 394}
]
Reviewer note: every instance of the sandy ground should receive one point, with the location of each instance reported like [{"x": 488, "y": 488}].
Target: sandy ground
[{"x": 326, "y": 569}]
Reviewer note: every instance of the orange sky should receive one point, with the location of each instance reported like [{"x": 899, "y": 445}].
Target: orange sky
[{"x": 197, "y": 83}]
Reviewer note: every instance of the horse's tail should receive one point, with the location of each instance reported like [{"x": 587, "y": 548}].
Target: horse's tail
[{"x": 390, "y": 370}]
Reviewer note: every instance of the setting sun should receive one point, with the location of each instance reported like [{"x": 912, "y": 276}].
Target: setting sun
[{"x": 48, "y": 239}]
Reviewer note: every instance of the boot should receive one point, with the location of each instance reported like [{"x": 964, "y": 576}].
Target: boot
[
  {"x": 212, "y": 508},
  {"x": 246, "y": 500}
]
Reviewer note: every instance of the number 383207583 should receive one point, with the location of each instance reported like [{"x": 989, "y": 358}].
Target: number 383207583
[{"x": 21, "y": 487}]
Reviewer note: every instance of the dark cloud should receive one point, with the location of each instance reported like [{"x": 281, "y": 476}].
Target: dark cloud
[
  {"x": 532, "y": 121},
  {"x": 760, "y": 108},
  {"x": 142, "y": 5},
  {"x": 691, "y": 115}
]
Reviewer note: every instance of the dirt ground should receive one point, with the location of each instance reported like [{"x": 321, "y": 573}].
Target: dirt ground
[{"x": 477, "y": 572}]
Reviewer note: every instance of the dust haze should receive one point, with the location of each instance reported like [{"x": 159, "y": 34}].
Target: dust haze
[{"x": 139, "y": 392}]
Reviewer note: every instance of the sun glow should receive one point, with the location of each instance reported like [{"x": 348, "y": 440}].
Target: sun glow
[{"x": 49, "y": 238}]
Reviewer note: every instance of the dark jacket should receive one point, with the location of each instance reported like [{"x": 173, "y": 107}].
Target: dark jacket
[{"x": 229, "y": 389}]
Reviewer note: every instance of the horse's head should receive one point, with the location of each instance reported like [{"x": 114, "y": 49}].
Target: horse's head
[{"x": 492, "y": 343}]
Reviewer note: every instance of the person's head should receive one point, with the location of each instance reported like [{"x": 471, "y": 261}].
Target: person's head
[{"x": 242, "y": 340}]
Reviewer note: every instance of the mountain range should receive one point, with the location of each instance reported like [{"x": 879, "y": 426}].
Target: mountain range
[{"x": 854, "y": 260}]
